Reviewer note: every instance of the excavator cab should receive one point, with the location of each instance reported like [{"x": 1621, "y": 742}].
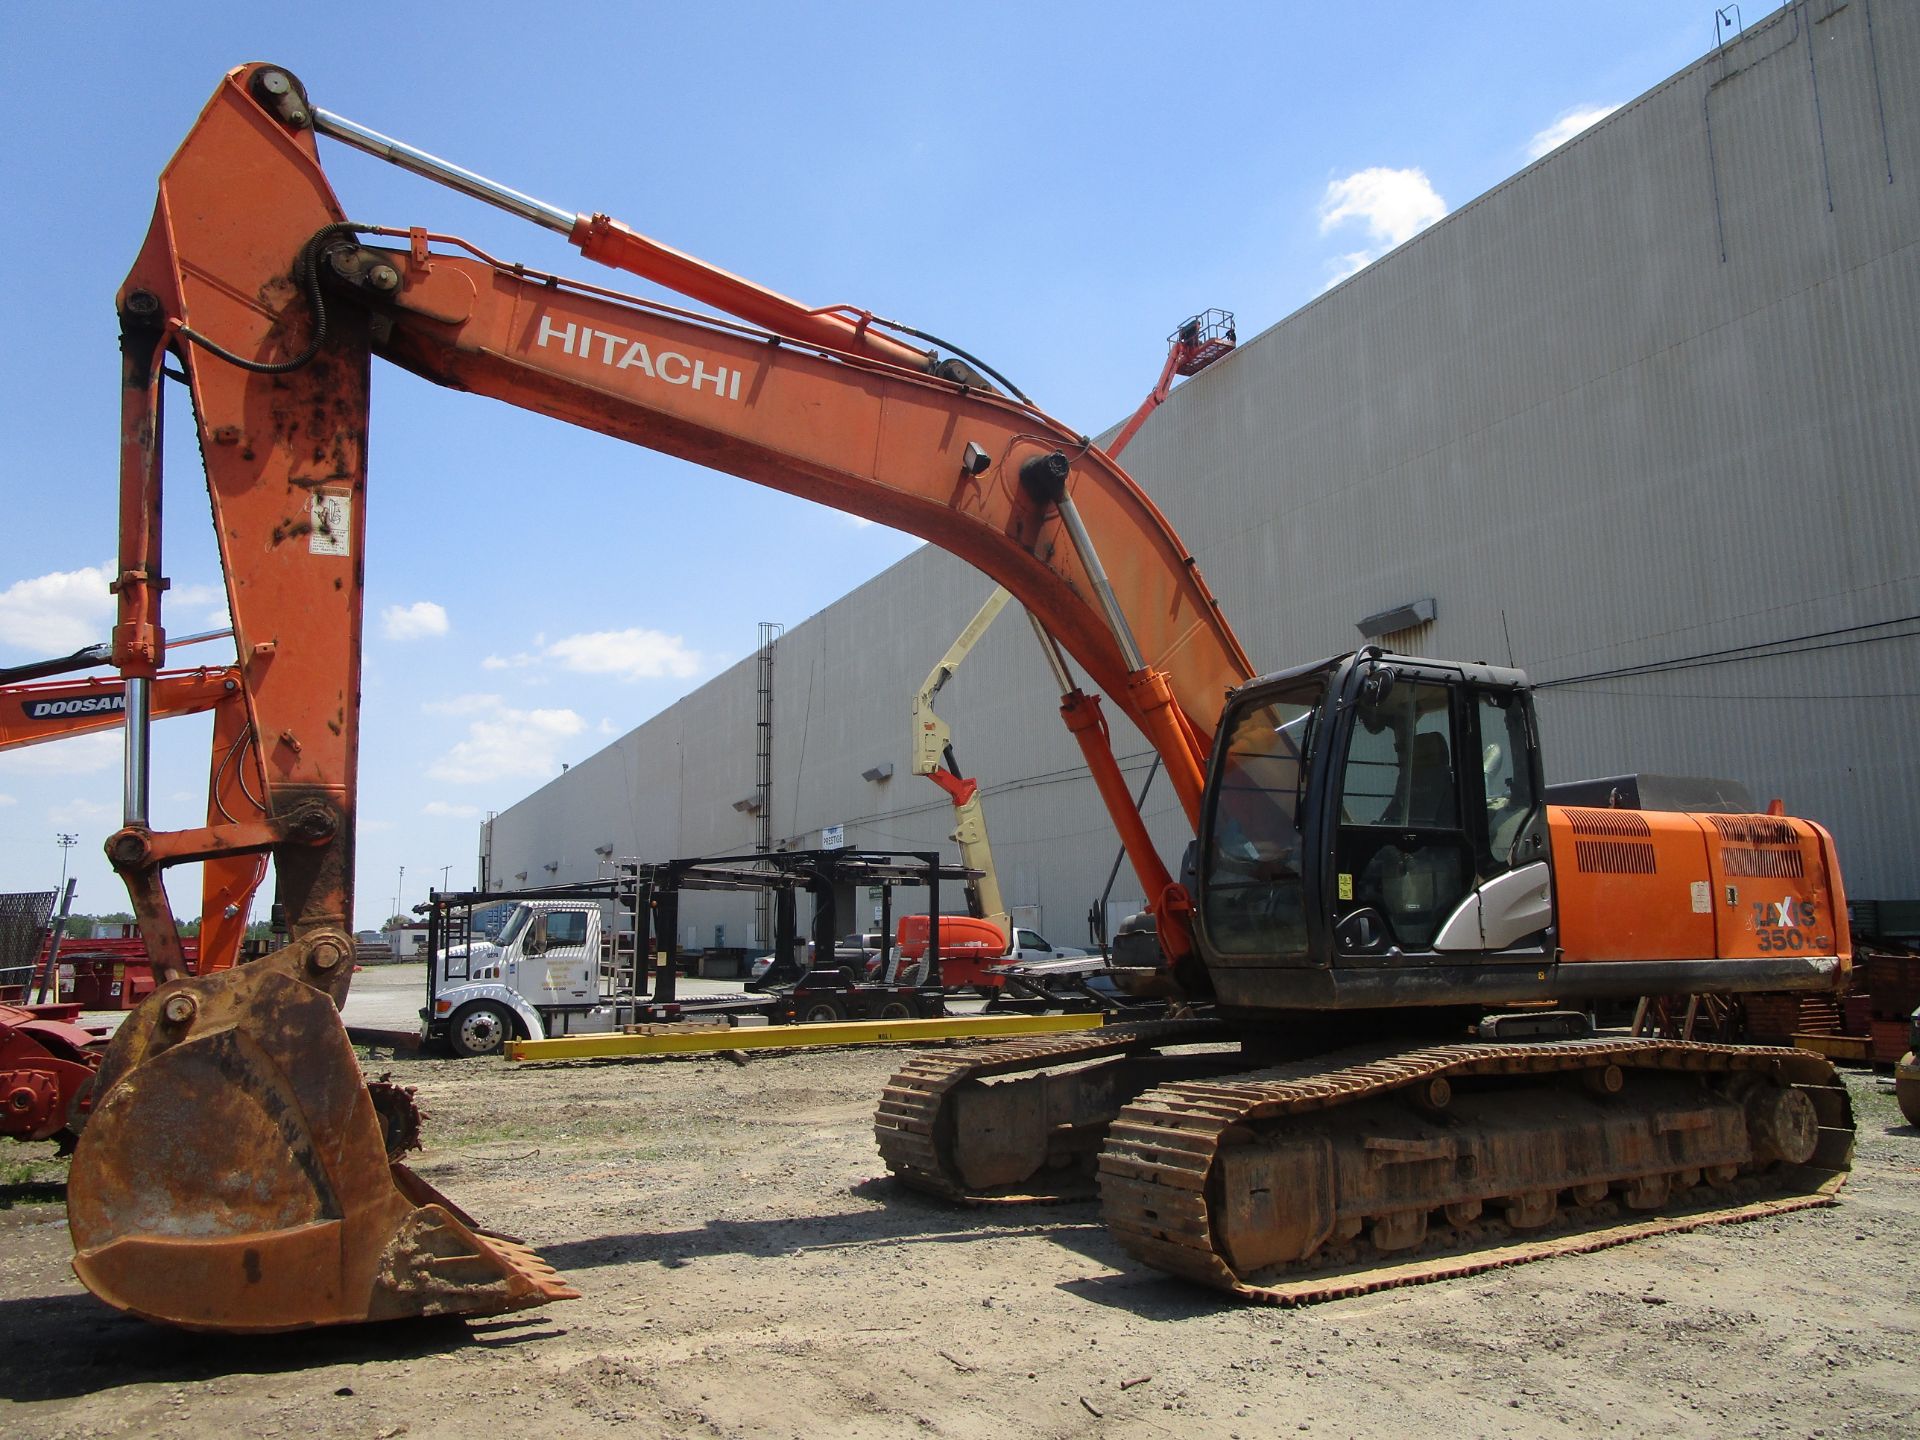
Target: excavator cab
[{"x": 1375, "y": 828}]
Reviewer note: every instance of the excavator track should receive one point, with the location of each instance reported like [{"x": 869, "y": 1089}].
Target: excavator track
[
  {"x": 1373, "y": 1169},
  {"x": 916, "y": 1128}
]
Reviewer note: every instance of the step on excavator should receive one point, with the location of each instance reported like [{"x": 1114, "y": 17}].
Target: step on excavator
[{"x": 1363, "y": 1069}]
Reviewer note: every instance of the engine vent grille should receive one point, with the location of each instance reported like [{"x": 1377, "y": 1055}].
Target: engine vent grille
[
  {"x": 1614, "y": 857},
  {"x": 1755, "y": 830},
  {"x": 1763, "y": 864},
  {"x": 1609, "y": 822}
]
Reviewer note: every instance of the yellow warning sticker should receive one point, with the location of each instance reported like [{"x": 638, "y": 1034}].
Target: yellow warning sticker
[{"x": 1346, "y": 887}]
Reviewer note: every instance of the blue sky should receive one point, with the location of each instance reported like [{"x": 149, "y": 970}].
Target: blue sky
[{"x": 1052, "y": 187}]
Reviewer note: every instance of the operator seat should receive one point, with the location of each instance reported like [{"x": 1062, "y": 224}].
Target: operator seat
[{"x": 1430, "y": 797}]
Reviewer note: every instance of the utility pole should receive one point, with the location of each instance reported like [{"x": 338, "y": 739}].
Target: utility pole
[
  {"x": 66, "y": 843},
  {"x": 445, "y": 870},
  {"x": 399, "y": 887}
]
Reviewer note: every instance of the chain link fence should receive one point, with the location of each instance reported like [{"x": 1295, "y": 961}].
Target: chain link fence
[{"x": 23, "y": 931}]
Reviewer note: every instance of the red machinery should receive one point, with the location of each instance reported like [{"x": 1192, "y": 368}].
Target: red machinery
[
  {"x": 46, "y": 1060},
  {"x": 1196, "y": 343}
]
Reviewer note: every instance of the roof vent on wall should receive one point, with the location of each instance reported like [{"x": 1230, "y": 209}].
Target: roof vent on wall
[{"x": 1400, "y": 617}]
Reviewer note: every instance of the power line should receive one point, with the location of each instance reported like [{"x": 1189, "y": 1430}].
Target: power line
[
  {"x": 1841, "y": 638},
  {"x": 1703, "y": 695}
]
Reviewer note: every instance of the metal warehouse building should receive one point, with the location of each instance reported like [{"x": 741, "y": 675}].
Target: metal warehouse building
[{"x": 1644, "y": 420}]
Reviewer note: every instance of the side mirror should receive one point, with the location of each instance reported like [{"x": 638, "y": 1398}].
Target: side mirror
[{"x": 537, "y": 936}]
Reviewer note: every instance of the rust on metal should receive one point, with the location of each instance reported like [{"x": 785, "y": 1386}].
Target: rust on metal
[
  {"x": 1366, "y": 1170},
  {"x": 235, "y": 1175},
  {"x": 915, "y": 1123},
  {"x": 1296, "y": 1184}
]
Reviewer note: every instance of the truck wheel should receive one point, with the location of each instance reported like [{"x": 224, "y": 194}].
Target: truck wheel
[
  {"x": 822, "y": 1011},
  {"x": 482, "y": 1028},
  {"x": 896, "y": 1010}
]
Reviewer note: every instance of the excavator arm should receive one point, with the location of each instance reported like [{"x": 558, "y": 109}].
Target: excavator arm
[{"x": 232, "y": 1176}]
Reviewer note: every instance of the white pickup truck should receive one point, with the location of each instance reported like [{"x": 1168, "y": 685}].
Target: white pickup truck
[{"x": 1030, "y": 945}]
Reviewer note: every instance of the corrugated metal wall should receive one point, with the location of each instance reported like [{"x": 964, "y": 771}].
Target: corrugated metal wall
[{"x": 1644, "y": 418}]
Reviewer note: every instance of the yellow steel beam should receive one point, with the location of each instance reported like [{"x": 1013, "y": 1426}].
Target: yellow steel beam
[{"x": 784, "y": 1037}]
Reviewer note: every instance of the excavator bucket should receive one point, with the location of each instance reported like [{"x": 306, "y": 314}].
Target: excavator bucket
[{"x": 233, "y": 1177}]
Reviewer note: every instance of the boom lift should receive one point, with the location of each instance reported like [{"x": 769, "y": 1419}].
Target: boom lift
[
  {"x": 1355, "y": 881},
  {"x": 933, "y": 757}
]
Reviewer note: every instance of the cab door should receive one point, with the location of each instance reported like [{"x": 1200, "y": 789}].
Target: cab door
[
  {"x": 1439, "y": 837},
  {"x": 570, "y": 958}
]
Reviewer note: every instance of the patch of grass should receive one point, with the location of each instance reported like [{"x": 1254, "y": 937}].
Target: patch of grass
[{"x": 27, "y": 1178}]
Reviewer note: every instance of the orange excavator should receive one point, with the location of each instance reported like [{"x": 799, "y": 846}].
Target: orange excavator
[{"x": 1361, "y": 1075}]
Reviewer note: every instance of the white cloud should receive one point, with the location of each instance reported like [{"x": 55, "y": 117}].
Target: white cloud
[
  {"x": 1570, "y": 124},
  {"x": 8, "y": 800},
  {"x": 52, "y": 614},
  {"x": 506, "y": 743},
  {"x": 83, "y": 814},
  {"x": 76, "y": 755},
  {"x": 206, "y": 603},
  {"x": 517, "y": 661},
  {"x": 634, "y": 654},
  {"x": 1392, "y": 206},
  {"x": 471, "y": 704},
  {"x": 451, "y": 812},
  {"x": 419, "y": 621}
]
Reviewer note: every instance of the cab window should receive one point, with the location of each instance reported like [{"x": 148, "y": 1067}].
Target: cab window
[
  {"x": 1511, "y": 799},
  {"x": 566, "y": 927},
  {"x": 1253, "y": 888},
  {"x": 1403, "y": 856}
]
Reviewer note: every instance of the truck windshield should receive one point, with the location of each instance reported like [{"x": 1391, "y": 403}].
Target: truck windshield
[
  {"x": 1253, "y": 901},
  {"x": 517, "y": 922}
]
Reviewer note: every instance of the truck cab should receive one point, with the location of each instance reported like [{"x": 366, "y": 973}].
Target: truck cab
[{"x": 540, "y": 977}]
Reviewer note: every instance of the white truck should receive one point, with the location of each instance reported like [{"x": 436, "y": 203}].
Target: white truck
[
  {"x": 1030, "y": 946},
  {"x": 542, "y": 976}
]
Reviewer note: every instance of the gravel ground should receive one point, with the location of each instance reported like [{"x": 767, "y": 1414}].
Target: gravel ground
[{"x": 746, "y": 1272}]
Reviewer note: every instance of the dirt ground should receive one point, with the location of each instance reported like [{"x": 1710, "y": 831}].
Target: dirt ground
[{"x": 747, "y": 1272}]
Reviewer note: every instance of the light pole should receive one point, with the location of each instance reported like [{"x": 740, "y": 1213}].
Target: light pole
[
  {"x": 398, "y": 887},
  {"x": 66, "y": 843},
  {"x": 445, "y": 870}
]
